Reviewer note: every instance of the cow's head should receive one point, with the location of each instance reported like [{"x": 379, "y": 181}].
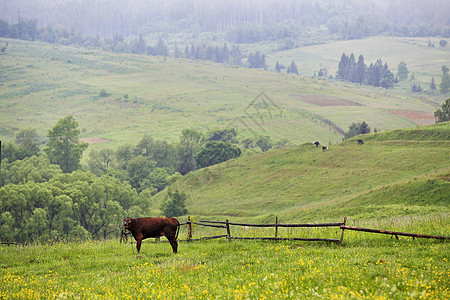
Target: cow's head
[{"x": 127, "y": 223}]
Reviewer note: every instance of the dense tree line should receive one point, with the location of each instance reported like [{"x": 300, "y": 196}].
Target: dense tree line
[
  {"x": 246, "y": 21},
  {"x": 48, "y": 195},
  {"x": 39, "y": 202},
  {"x": 377, "y": 74}
]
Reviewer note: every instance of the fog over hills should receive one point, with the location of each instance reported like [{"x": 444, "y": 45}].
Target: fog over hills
[{"x": 132, "y": 17}]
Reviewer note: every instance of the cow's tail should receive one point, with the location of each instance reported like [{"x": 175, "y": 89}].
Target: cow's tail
[{"x": 178, "y": 230}]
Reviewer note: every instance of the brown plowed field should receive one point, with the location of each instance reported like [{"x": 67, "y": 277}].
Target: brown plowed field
[{"x": 420, "y": 118}]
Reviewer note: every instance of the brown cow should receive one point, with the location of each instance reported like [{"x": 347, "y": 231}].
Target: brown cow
[{"x": 143, "y": 228}]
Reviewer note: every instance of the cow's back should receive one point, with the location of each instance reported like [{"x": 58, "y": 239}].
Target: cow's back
[{"x": 156, "y": 227}]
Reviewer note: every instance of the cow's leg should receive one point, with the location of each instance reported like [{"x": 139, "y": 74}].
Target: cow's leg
[
  {"x": 173, "y": 243},
  {"x": 138, "y": 243}
]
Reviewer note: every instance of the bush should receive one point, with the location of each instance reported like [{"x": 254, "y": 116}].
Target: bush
[{"x": 356, "y": 129}]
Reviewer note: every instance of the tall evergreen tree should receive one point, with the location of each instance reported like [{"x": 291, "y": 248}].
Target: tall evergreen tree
[
  {"x": 139, "y": 46},
  {"x": 432, "y": 84},
  {"x": 387, "y": 77},
  {"x": 342, "y": 68},
  {"x": 445, "y": 83},
  {"x": 374, "y": 73},
  {"x": 292, "y": 69},
  {"x": 361, "y": 70},
  {"x": 351, "y": 68}
]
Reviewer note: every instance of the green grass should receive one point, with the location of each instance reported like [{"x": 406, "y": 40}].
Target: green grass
[
  {"x": 365, "y": 267},
  {"x": 158, "y": 96},
  {"x": 395, "y": 173}
]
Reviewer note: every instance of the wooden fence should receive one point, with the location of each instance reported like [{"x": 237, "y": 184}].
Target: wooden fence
[
  {"x": 342, "y": 226},
  {"x": 227, "y": 225}
]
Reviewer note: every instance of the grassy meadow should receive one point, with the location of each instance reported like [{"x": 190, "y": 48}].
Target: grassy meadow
[
  {"x": 364, "y": 267},
  {"x": 42, "y": 83},
  {"x": 308, "y": 184},
  {"x": 421, "y": 60}
]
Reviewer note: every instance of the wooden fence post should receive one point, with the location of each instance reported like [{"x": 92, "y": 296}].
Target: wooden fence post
[
  {"x": 228, "y": 230},
  {"x": 189, "y": 228},
  {"x": 342, "y": 233},
  {"x": 276, "y": 227}
]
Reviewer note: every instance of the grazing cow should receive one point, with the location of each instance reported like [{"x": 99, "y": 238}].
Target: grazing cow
[
  {"x": 360, "y": 142},
  {"x": 143, "y": 228},
  {"x": 324, "y": 148},
  {"x": 316, "y": 143}
]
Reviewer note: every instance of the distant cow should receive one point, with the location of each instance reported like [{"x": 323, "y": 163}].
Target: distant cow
[
  {"x": 360, "y": 142},
  {"x": 324, "y": 148},
  {"x": 316, "y": 143},
  {"x": 143, "y": 228}
]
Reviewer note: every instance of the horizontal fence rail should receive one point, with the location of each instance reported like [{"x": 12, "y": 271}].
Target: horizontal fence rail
[
  {"x": 273, "y": 225},
  {"x": 395, "y": 233}
]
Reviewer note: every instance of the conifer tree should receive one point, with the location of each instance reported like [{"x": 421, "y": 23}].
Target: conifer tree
[
  {"x": 351, "y": 68},
  {"x": 361, "y": 70},
  {"x": 342, "y": 68},
  {"x": 292, "y": 69},
  {"x": 445, "y": 83}
]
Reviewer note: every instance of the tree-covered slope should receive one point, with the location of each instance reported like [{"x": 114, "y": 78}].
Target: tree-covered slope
[{"x": 385, "y": 177}]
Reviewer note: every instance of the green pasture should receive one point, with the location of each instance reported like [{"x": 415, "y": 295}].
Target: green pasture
[
  {"x": 420, "y": 59},
  {"x": 42, "y": 83},
  {"x": 395, "y": 173},
  {"x": 366, "y": 266}
]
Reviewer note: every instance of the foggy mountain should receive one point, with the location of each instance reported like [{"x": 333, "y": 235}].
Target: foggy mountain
[{"x": 106, "y": 18}]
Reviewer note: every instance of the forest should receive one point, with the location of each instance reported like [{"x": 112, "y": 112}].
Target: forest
[
  {"x": 49, "y": 195},
  {"x": 242, "y": 21}
]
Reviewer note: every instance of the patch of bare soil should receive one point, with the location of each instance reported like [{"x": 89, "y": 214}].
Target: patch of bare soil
[
  {"x": 420, "y": 118},
  {"x": 94, "y": 140},
  {"x": 325, "y": 100}
]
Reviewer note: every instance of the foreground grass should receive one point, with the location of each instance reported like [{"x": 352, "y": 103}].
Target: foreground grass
[{"x": 366, "y": 266}]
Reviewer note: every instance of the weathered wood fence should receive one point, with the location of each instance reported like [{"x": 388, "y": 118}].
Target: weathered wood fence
[
  {"x": 342, "y": 226},
  {"x": 227, "y": 225}
]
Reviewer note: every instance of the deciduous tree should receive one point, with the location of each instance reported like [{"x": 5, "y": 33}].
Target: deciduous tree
[
  {"x": 63, "y": 147},
  {"x": 443, "y": 115}
]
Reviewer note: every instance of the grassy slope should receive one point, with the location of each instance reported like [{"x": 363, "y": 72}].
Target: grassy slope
[
  {"x": 42, "y": 83},
  {"x": 380, "y": 179},
  {"x": 421, "y": 60}
]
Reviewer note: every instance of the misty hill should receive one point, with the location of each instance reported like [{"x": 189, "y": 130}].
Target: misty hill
[
  {"x": 346, "y": 19},
  {"x": 395, "y": 173}
]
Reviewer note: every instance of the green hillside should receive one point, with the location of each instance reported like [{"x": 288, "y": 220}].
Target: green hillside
[
  {"x": 121, "y": 97},
  {"x": 422, "y": 61},
  {"x": 395, "y": 173}
]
